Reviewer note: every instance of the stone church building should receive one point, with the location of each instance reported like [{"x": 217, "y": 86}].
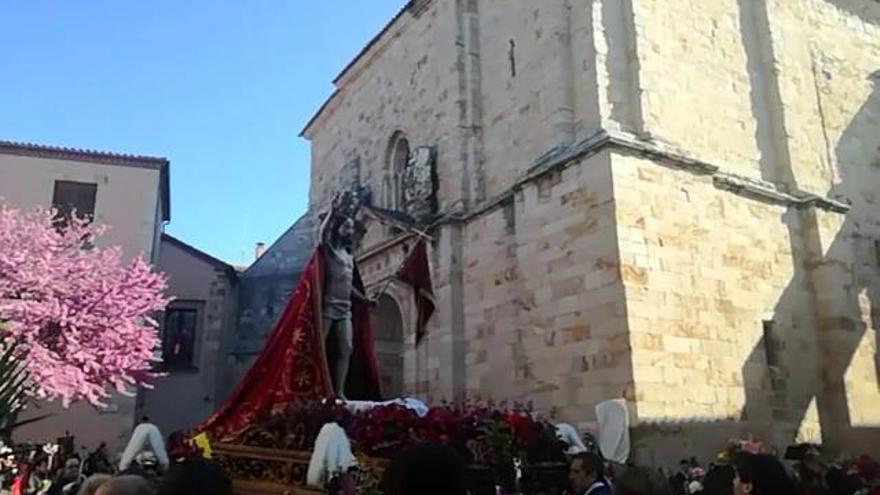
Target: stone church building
[{"x": 671, "y": 202}]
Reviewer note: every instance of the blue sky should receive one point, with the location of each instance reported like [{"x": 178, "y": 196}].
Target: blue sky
[{"x": 221, "y": 88}]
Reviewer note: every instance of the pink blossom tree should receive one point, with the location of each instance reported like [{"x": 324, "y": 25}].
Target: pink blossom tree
[{"x": 75, "y": 317}]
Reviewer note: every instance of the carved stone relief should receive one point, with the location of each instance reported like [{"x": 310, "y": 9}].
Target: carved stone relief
[{"x": 420, "y": 184}]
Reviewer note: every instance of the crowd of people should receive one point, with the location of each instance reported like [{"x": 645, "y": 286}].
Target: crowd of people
[
  {"x": 146, "y": 467},
  {"x": 189, "y": 476},
  {"x": 430, "y": 469},
  {"x": 750, "y": 474},
  {"x": 151, "y": 466},
  {"x": 435, "y": 470},
  {"x": 746, "y": 474}
]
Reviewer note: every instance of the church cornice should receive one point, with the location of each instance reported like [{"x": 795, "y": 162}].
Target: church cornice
[{"x": 561, "y": 158}]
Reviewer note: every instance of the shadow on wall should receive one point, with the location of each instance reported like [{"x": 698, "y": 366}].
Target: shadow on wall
[
  {"x": 799, "y": 374},
  {"x": 868, "y": 11},
  {"x": 814, "y": 374}
]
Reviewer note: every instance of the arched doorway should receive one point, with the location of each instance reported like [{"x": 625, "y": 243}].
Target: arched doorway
[{"x": 387, "y": 324}]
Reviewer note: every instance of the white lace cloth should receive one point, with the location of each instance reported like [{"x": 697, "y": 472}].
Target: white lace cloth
[
  {"x": 332, "y": 454},
  {"x": 414, "y": 405}
]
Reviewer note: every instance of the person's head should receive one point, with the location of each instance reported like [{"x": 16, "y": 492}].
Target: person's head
[
  {"x": 145, "y": 419},
  {"x": 426, "y": 469},
  {"x": 343, "y": 231},
  {"x": 196, "y": 476},
  {"x": 639, "y": 481},
  {"x": 125, "y": 485},
  {"x": 92, "y": 483},
  {"x": 684, "y": 465},
  {"x": 719, "y": 481},
  {"x": 71, "y": 467},
  {"x": 760, "y": 474},
  {"x": 584, "y": 470}
]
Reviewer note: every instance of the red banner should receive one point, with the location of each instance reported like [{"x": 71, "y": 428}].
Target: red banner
[{"x": 416, "y": 271}]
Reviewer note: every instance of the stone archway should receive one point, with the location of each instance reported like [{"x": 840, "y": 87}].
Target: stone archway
[{"x": 387, "y": 323}]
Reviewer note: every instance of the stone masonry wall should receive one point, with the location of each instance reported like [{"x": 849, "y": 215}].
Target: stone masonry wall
[
  {"x": 753, "y": 76},
  {"x": 827, "y": 55},
  {"x": 536, "y": 62},
  {"x": 628, "y": 275},
  {"x": 451, "y": 77},
  {"x": 794, "y": 102},
  {"x": 703, "y": 268},
  {"x": 497, "y": 86},
  {"x": 693, "y": 76},
  {"x": 838, "y": 131},
  {"x": 545, "y": 315},
  {"x": 410, "y": 86}
]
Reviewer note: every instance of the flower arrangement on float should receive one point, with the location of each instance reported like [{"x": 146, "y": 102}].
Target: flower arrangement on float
[
  {"x": 483, "y": 433},
  {"x": 496, "y": 440},
  {"x": 748, "y": 445}
]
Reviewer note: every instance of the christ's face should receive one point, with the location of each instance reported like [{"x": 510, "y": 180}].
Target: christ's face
[{"x": 346, "y": 231}]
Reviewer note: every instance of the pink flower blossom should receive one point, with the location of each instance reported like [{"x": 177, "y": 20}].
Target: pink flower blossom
[{"x": 80, "y": 316}]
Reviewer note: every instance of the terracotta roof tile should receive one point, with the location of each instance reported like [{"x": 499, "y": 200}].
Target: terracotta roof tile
[{"x": 77, "y": 154}]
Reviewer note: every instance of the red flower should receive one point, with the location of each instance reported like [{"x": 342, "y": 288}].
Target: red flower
[{"x": 522, "y": 427}]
